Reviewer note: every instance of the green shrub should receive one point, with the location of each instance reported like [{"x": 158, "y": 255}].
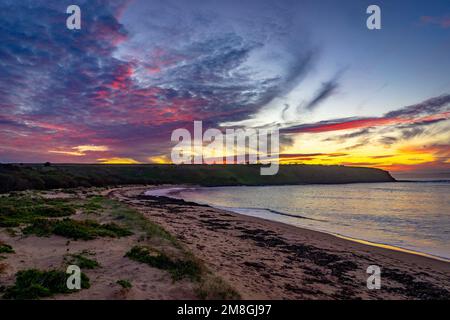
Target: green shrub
[
  {"x": 73, "y": 229},
  {"x": 40, "y": 227},
  {"x": 178, "y": 269}
]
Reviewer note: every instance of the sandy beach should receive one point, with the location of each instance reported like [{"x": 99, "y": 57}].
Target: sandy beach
[
  {"x": 243, "y": 257},
  {"x": 268, "y": 260}
]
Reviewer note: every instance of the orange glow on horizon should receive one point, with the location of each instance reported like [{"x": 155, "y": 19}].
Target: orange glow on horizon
[{"x": 115, "y": 160}]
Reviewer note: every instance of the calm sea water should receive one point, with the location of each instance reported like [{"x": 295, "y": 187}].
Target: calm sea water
[{"x": 409, "y": 215}]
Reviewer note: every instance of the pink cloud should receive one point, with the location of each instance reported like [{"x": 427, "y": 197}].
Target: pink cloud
[{"x": 444, "y": 21}]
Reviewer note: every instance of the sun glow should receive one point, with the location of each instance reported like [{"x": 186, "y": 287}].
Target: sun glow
[{"x": 118, "y": 161}]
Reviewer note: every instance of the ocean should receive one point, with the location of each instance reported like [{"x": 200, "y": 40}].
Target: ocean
[{"x": 408, "y": 215}]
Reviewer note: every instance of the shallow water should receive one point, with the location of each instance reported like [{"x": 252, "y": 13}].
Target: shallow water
[{"x": 410, "y": 215}]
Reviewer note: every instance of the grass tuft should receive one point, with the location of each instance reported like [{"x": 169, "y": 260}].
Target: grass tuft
[
  {"x": 136, "y": 220},
  {"x": 93, "y": 204},
  {"x": 125, "y": 284},
  {"x": 214, "y": 288},
  {"x": 82, "y": 261},
  {"x": 73, "y": 229},
  {"x": 35, "y": 284},
  {"x": 16, "y": 210},
  {"x": 178, "y": 269},
  {"x": 5, "y": 248}
]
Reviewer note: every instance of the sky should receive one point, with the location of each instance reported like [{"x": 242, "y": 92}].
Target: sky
[{"x": 114, "y": 91}]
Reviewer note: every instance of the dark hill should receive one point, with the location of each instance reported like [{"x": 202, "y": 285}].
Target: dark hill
[{"x": 40, "y": 176}]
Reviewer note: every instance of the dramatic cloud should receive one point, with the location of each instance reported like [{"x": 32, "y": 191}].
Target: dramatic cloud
[
  {"x": 128, "y": 89},
  {"x": 434, "y": 109},
  {"x": 428, "y": 107},
  {"x": 114, "y": 91}
]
